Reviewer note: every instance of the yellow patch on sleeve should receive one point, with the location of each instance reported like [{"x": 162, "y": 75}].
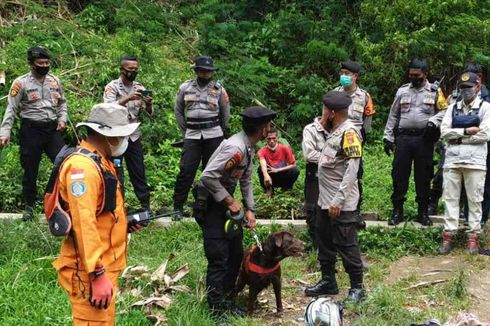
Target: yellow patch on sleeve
[
  {"x": 16, "y": 87},
  {"x": 441, "y": 103},
  {"x": 351, "y": 144}
]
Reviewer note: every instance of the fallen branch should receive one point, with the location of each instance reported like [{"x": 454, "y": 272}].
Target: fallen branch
[{"x": 425, "y": 284}]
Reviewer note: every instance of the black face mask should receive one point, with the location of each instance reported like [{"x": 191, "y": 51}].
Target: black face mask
[
  {"x": 417, "y": 82},
  {"x": 329, "y": 123},
  {"x": 203, "y": 81},
  {"x": 130, "y": 75},
  {"x": 41, "y": 71}
]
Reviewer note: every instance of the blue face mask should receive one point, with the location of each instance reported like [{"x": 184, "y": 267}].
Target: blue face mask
[{"x": 345, "y": 80}]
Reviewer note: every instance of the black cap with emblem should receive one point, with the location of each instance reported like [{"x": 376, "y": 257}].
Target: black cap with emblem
[
  {"x": 204, "y": 62},
  {"x": 467, "y": 79},
  {"x": 337, "y": 101},
  {"x": 352, "y": 66},
  {"x": 37, "y": 52},
  {"x": 257, "y": 114}
]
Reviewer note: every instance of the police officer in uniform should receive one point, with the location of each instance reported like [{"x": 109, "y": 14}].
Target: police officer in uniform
[
  {"x": 361, "y": 110},
  {"x": 127, "y": 92},
  {"x": 230, "y": 163},
  {"x": 336, "y": 222},
  {"x": 202, "y": 111},
  {"x": 411, "y": 131},
  {"x": 314, "y": 136},
  {"x": 37, "y": 97}
]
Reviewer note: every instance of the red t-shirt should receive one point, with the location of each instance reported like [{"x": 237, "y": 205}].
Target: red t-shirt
[{"x": 281, "y": 157}]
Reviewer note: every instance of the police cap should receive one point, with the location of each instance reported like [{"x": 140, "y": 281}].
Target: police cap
[
  {"x": 352, "y": 66},
  {"x": 257, "y": 114},
  {"x": 337, "y": 101},
  {"x": 204, "y": 62},
  {"x": 37, "y": 52},
  {"x": 468, "y": 79}
]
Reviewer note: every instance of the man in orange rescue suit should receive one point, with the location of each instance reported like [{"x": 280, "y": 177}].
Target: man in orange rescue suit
[{"x": 94, "y": 253}]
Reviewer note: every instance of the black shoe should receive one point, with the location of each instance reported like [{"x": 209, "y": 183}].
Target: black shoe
[
  {"x": 355, "y": 296},
  {"x": 423, "y": 216},
  {"x": 326, "y": 286},
  {"x": 28, "y": 214},
  {"x": 178, "y": 215},
  {"x": 227, "y": 308},
  {"x": 361, "y": 225},
  {"x": 397, "y": 216}
]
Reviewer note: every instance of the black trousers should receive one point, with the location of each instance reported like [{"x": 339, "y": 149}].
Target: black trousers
[
  {"x": 419, "y": 151},
  {"x": 224, "y": 255},
  {"x": 194, "y": 152},
  {"x": 284, "y": 179},
  {"x": 339, "y": 236},
  {"x": 311, "y": 199},
  {"x": 36, "y": 138},
  {"x": 134, "y": 158}
]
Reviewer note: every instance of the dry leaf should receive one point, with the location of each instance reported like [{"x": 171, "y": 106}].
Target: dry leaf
[
  {"x": 163, "y": 301},
  {"x": 167, "y": 280},
  {"x": 158, "y": 319},
  {"x": 159, "y": 273},
  {"x": 180, "y": 288},
  {"x": 132, "y": 271},
  {"x": 180, "y": 273}
]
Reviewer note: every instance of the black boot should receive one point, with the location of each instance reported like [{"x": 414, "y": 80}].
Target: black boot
[
  {"x": 28, "y": 214},
  {"x": 397, "y": 216},
  {"x": 356, "y": 291},
  {"x": 179, "y": 214},
  {"x": 326, "y": 286},
  {"x": 423, "y": 215}
]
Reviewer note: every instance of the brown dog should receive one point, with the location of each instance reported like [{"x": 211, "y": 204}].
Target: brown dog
[{"x": 260, "y": 269}]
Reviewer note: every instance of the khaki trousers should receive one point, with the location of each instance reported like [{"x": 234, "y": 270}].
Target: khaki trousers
[{"x": 474, "y": 182}]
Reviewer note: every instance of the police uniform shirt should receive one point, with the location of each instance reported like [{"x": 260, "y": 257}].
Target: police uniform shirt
[
  {"x": 314, "y": 137},
  {"x": 202, "y": 103},
  {"x": 413, "y": 108},
  {"x": 230, "y": 163},
  {"x": 362, "y": 108},
  {"x": 113, "y": 93},
  {"x": 338, "y": 168},
  {"x": 34, "y": 100}
]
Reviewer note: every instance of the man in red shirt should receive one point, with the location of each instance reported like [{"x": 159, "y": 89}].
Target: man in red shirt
[{"x": 277, "y": 165}]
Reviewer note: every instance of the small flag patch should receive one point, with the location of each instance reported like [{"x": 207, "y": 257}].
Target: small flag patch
[{"x": 77, "y": 174}]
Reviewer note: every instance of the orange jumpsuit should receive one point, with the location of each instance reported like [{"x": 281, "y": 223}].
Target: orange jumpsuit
[{"x": 100, "y": 240}]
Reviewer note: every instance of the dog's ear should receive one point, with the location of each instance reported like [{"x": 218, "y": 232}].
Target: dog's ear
[{"x": 278, "y": 239}]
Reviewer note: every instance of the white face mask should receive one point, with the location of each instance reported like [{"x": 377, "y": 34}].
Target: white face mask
[{"x": 120, "y": 148}]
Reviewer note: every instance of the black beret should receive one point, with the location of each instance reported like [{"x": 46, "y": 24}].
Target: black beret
[
  {"x": 204, "y": 62},
  {"x": 468, "y": 79},
  {"x": 337, "y": 101},
  {"x": 37, "y": 52},
  {"x": 257, "y": 114},
  {"x": 352, "y": 66}
]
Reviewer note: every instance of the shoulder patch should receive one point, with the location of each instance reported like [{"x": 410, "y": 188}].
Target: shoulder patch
[
  {"x": 78, "y": 189},
  {"x": 77, "y": 174},
  {"x": 16, "y": 87},
  {"x": 351, "y": 144},
  {"x": 234, "y": 160}
]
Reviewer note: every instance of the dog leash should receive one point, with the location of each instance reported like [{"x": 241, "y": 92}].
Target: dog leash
[{"x": 256, "y": 238}]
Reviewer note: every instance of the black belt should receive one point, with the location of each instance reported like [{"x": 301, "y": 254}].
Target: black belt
[
  {"x": 202, "y": 123},
  {"x": 410, "y": 132},
  {"x": 210, "y": 119},
  {"x": 40, "y": 124}
]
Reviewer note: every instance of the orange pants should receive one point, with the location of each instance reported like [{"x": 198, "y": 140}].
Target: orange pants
[{"x": 78, "y": 290}]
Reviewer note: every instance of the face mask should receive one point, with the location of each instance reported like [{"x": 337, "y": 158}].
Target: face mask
[
  {"x": 131, "y": 75},
  {"x": 41, "y": 71},
  {"x": 204, "y": 81},
  {"x": 330, "y": 122},
  {"x": 120, "y": 148},
  {"x": 417, "y": 82},
  {"x": 345, "y": 80},
  {"x": 467, "y": 93}
]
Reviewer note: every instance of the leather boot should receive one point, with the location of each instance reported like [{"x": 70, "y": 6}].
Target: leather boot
[
  {"x": 447, "y": 242},
  {"x": 397, "y": 215},
  {"x": 356, "y": 291},
  {"x": 423, "y": 216},
  {"x": 28, "y": 214},
  {"x": 472, "y": 244},
  {"x": 326, "y": 286},
  {"x": 433, "y": 208}
]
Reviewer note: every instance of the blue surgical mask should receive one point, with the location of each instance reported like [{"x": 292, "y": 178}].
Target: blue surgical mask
[
  {"x": 345, "y": 80},
  {"x": 467, "y": 93}
]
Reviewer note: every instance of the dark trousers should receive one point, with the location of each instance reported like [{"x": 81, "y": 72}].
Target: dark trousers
[
  {"x": 339, "y": 235},
  {"x": 36, "y": 138},
  {"x": 311, "y": 199},
  {"x": 419, "y": 151},
  {"x": 134, "y": 158},
  {"x": 284, "y": 179},
  {"x": 360, "y": 174},
  {"x": 194, "y": 152},
  {"x": 486, "y": 193},
  {"x": 224, "y": 255}
]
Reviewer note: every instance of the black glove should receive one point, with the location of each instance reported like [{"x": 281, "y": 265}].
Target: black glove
[
  {"x": 389, "y": 146},
  {"x": 431, "y": 132}
]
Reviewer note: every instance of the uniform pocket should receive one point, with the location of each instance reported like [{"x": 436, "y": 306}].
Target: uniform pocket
[
  {"x": 344, "y": 234},
  {"x": 213, "y": 102},
  {"x": 405, "y": 103}
]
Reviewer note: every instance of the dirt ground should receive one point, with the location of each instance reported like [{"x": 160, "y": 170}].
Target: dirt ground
[{"x": 413, "y": 270}]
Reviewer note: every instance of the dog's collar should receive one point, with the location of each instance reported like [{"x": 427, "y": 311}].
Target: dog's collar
[{"x": 251, "y": 267}]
